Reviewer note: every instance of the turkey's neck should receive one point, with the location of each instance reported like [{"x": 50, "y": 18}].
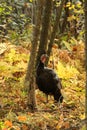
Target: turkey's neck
[
  {"x": 41, "y": 65},
  {"x": 40, "y": 68}
]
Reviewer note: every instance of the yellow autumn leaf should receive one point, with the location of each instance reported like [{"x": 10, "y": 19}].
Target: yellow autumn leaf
[
  {"x": 68, "y": 4},
  {"x": 82, "y": 116},
  {"x": 78, "y": 4},
  {"x": 47, "y": 116},
  {"x": 31, "y": 0},
  {"x": 73, "y": 6},
  {"x": 71, "y": 18}
]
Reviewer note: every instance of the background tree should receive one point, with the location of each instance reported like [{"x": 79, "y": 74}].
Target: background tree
[
  {"x": 30, "y": 76},
  {"x": 45, "y": 28},
  {"x": 55, "y": 28},
  {"x": 66, "y": 15},
  {"x": 86, "y": 59}
]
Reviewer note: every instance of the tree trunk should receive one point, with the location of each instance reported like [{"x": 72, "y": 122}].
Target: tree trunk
[
  {"x": 65, "y": 22},
  {"x": 30, "y": 76},
  {"x": 55, "y": 27},
  {"x": 45, "y": 28},
  {"x": 86, "y": 59}
]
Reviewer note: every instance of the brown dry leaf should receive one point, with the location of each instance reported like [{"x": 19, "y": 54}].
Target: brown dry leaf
[
  {"x": 47, "y": 116},
  {"x": 55, "y": 46},
  {"x": 60, "y": 122},
  {"x": 66, "y": 125},
  {"x": 3, "y": 48},
  {"x": 25, "y": 127},
  {"x": 30, "y": 114},
  {"x": 18, "y": 128},
  {"x": 18, "y": 74}
]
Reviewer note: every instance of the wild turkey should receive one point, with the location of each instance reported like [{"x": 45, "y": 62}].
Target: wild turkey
[{"x": 48, "y": 81}]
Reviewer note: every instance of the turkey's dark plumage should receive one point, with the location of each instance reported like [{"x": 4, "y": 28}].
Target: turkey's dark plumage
[{"x": 48, "y": 81}]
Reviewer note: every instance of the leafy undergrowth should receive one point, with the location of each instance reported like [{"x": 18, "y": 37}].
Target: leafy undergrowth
[{"x": 14, "y": 114}]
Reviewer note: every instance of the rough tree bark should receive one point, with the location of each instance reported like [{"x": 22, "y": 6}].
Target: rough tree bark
[
  {"x": 30, "y": 75},
  {"x": 45, "y": 28},
  {"x": 55, "y": 28},
  {"x": 86, "y": 59}
]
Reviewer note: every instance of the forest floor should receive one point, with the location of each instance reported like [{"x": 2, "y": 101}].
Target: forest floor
[{"x": 14, "y": 114}]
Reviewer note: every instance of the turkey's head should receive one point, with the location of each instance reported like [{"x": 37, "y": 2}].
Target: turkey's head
[{"x": 43, "y": 58}]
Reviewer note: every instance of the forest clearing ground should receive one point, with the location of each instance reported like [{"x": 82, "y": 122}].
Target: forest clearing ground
[{"x": 50, "y": 116}]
